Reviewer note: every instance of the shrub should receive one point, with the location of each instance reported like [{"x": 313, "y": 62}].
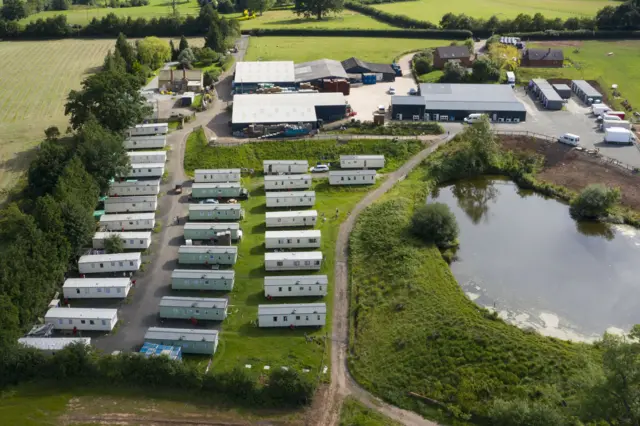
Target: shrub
[
  {"x": 435, "y": 223},
  {"x": 594, "y": 201},
  {"x": 519, "y": 412},
  {"x": 114, "y": 244}
]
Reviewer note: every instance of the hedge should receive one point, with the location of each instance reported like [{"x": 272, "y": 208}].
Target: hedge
[
  {"x": 577, "y": 35},
  {"x": 319, "y": 32},
  {"x": 389, "y": 18}
]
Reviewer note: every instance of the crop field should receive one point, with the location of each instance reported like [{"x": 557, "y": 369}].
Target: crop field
[
  {"x": 286, "y": 18},
  {"x": 430, "y": 10}
]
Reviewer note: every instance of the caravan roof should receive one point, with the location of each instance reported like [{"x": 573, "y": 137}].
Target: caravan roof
[
  {"x": 193, "y": 302},
  {"x": 293, "y": 308},
  {"x": 189, "y": 335},
  {"x": 96, "y": 282},
  {"x": 290, "y": 194},
  {"x": 298, "y": 213},
  {"x": 114, "y": 257},
  {"x": 298, "y": 255},
  {"x": 314, "y": 233},
  {"x": 81, "y": 313},
  {"x": 202, "y": 274}
]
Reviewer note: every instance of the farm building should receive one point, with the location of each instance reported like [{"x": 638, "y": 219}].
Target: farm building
[
  {"x": 292, "y": 239},
  {"x": 361, "y": 161},
  {"x": 202, "y": 279},
  {"x": 250, "y": 76},
  {"x": 292, "y": 315},
  {"x": 51, "y": 345},
  {"x": 191, "y": 341},
  {"x": 287, "y": 167},
  {"x": 540, "y": 58},
  {"x": 211, "y": 230},
  {"x": 83, "y": 319},
  {"x": 200, "y": 308},
  {"x": 563, "y": 90},
  {"x": 546, "y": 93},
  {"x": 293, "y": 261},
  {"x": 104, "y": 263},
  {"x": 383, "y": 72},
  {"x": 138, "y": 170},
  {"x": 442, "y": 55},
  {"x": 151, "y": 129},
  {"x": 180, "y": 80},
  {"x": 287, "y": 182},
  {"x": 297, "y": 285},
  {"x": 96, "y": 288},
  {"x": 146, "y": 142},
  {"x": 218, "y": 190},
  {"x": 352, "y": 177},
  {"x": 127, "y": 222},
  {"x": 134, "y": 204},
  {"x": 315, "y": 71},
  {"x": 131, "y": 240},
  {"x": 143, "y": 157},
  {"x": 207, "y": 255},
  {"x": 215, "y": 212},
  {"x": 586, "y": 92},
  {"x": 217, "y": 175},
  {"x": 152, "y": 349},
  {"x": 287, "y": 108},
  {"x": 291, "y": 199},
  {"x": 291, "y": 219},
  {"x": 134, "y": 187}
]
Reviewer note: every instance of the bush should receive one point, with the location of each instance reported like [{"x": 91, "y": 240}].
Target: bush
[
  {"x": 435, "y": 223},
  {"x": 422, "y": 65},
  {"x": 595, "y": 201},
  {"x": 518, "y": 412},
  {"x": 114, "y": 244}
]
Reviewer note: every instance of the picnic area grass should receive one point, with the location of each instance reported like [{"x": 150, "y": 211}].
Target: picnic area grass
[
  {"x": 353, "y": 413},
  {"x": 302, "y": 49}
]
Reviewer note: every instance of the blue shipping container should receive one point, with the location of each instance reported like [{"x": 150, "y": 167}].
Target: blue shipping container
[{"x": 368, "y": 78}]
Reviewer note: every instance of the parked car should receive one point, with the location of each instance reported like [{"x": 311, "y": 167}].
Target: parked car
[
  {"x": 413, "y": 91},
  {"x": 569, "y": 139},
  {"x": 319, "y": 168},
  {"x": 392, "y": 91},
  {"x": 178, "y": 189},
  {"x": 209, "y": 201}
]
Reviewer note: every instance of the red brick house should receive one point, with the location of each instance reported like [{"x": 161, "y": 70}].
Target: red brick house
[
  {"x": 547, "y": 58},
  {"x": 442, "y": 55}
]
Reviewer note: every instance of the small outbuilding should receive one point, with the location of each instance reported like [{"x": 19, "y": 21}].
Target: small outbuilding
[
  {"x": 293, "y": 261},
  {"x": 361, "y": 161},
  {"x": 296, "y": 286},
  {"x": 212, "y": 231},
  {"x": 96, "y": 288},
  {"x": 144, "y": 157},
  {"x": 52, "y": 345},
  {"x": 352, "y": 177},
  {"x": 383, "y": 72},
  {"x": 563, "y": 90},
  {"x": 82, "y": 319},
  {"x": 183, "y": 80},
  {"x": 200, "y": 341},
  {"x": 138, "y": 170},
  {"x": 292, "y": 239},
  {"x": 149, "y": 129},
  {"x": 105, "y": 263},
  {"x": 218, "y": 190},
  {"x": 442, "y": 55},
  {"x": 291, "y": 219},
  {"x": 215, "y": 212},
  {"x": 291, "y": 199},
  {"x": 134, "y": 187},
  {"x": 546, "y": 93},
  {"x": 202, "y": 279},
  {"x": 197, "y": 308},
  {"x": 131, "y": 204},
  {"x": 287, "y": 167},
  {"x": 217, "y": 175},
  {"x": 586, "y": 92},
  {"x": 287, "y": 182},
  {"x": 131, "y": 240},
  {"x": 127, "y": 222},
  {"x": 207, "y": 255},
  {"x": 146, "y": 142},
  {"x": 292, "y": 315}
]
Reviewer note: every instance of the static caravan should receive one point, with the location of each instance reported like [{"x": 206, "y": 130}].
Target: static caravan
[
  {"x": 207, "y": 255},
  {"x": 134, "y": 187},
  {"x": 131, "y": 240},
  {"x": 293, "y": 219},
  {"x": 96, "y": 288},
  {"x": 352, "y": 177},
  {"x": 146, "y": 170},
  {"x": 291, "y": 199},
  {"x": 51, "y": 345},
  {"x": 211, "y": 230},
  {"x": 103, "y": 263},
  {"x": 361, "y": 161},
  {"x": 143, "y": 157},
  {"x": 202, "y": 279},
  {"x": 292, "y": 239},
  {"x": 191, "y": 341},
  {"x": 218, "y": 190},
  {"x": 84, "y": 319},
  {"x": 127, "y": 222},
  {"x": 217, "y": 175},
  {"x": 215, "y": 212},
  {"x": 143, "y": 203},
  {"x": 288, "y": 182},
  {"x": 146, "y": 142},
  {"x": 292, "y": 315},
  {"x": 148, "y": 129},
  {"x": 199, "y": 308},
  {"x": 293, "y": 286},
  {"x": 293, "y": 261},
  {"x": 287, "y": 167}
]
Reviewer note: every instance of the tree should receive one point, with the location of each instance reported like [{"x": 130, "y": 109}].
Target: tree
[
  {"x": 434, "y": 223},
  {"x": 186, "y": 58},
  {"x": 126, "y": 51},
  {"x": 484, "y": 70},
  {"x": 14, "y": 10},
  {"x": 47, "y": 167},
  {"x": 10, "y": 330},
  {"x": 207, "y": 56},
  {"x": 484, "y": 144},
  {"x": 594, "y": 201},
  {"x": 60, "y": 4},
  {"x": 153, "y": 52},
  {"x": 317, "y": 8},
  {"x": 210, "y": 77},
  {"x": 289, "y": 387},
  {"x": 470, "y": 45},
  {"x": 214, "y": 39},
  {"x": 183, "y": 44},
  {"x": 261, "y": 5},
  {"x": 454, "y": 72},
  {"x": 174, "y": 52},
  {"x": 505, "y": 56},
  {"x": 114, "y": 62},
  {"x": 423, "y": 62},
  {"x": 114, "y": 244},
  {"x": 519, "y": 412},
  {"x": 52, "y": 133}
]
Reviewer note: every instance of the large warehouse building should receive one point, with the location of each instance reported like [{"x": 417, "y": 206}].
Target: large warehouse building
[
  {"x": 454, "y": 102},
  {"x": 316, "y": 71},
  {"x": 250, "y": 75}
]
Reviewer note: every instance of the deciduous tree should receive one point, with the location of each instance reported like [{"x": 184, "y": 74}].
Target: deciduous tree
[
  {"x": 214, "y": 39},
  {"x": 114, "y": 244},
  {"x": 594, "y": 201},
  {"x": 14, "y": 10},
  {"x": 153, "y": 52},
  {"x": 317, "y": 8},
  {"x": 434, "y": 223},
  {"x": 261, "y": 5}
]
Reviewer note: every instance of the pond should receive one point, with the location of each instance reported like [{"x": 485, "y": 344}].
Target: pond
[{"x": 523, "y": 255}]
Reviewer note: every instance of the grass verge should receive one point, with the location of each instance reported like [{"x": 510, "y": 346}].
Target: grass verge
[{"x": 353, "y": 413}]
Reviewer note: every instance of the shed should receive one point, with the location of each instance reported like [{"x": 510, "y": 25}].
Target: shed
[
  {"x": 105, "y": 263},
  {"x": 134, "y": 187},
  {"x": 153, "y": 349},
  {"x": 291, "y": 219},
  {"x": 191, "y": 341},
  {"x": 198, "y": 308},
  {"x": 143, "y": 157},
  {"x": 96, "y": 288},
  {"x": 586, "y": 92},
  {"x": 131, "y": 240},
  {"x": 128, "y": 222},
  {"x": 546, "y": 93},
  {"x": 217, "y": 175},
  {"x": 51, "y": 345},
  {"x": 563, "y": 90},
  {"x": 146, "y": 170},
  {"x": 292, "y": 239},
  {"x": 211, "y": 230},
  {"x": 383, "y": 72},
  {"x": 146, "y": 142},
  {"x": 352, "y": 177},
  {"x": 84, "y": 319},
  {"x": 361, "y": 161},
  {"x": 286, "y": 167},
  {"x": 131, "y": 204},
  {"x": 287, "y": 182},
  {"x": 292, "y": 315},
  {"x": 149, "y": 129},
  {"x": 293, "y": 261},
  {"x": 218, "y": 190},
  {"x": 207, "y": 255},
  {"x": 215, "y": 212},
  {"x": 296, "y": 285},
  {"x": 291, "y": 199},
  {"x": 202, "y": 279}
]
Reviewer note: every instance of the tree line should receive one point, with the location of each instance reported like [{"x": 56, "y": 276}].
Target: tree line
[{"x": 13, "y": 10}]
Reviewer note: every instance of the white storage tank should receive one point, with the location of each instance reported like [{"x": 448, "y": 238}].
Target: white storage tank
[
  {"x": 292, "y": 315},
  {"x": 146, "y": 170},
  {"x": 361, "y": 161},
  {"x": 352, "y": 177},
  {"x": 127, "y": 222},
  {"x": 291, "y": 219},
  {"x": 217, "y": 175},
  {"x": 96, "y": 288},
  {"x": 296, "y": 285},
  {"x": 287, "y": 182},
  {"x": 293, "y": 261},
  {"x": 292, "y": 239},
  {"x": 131, "y": 240},
  {"x": 285, "y": 166},
  {"x": 134, "y": 187},
  {"x": 291, "y": 199},
  {"x": 105, "y": 263},
  {"x": 131, "y": 204},
  {"x": 142, "y": 157},
  {"x": 149, "y": 129},
  {"x": 83, "y": 319},
  {"x": 146, "y": 142}
]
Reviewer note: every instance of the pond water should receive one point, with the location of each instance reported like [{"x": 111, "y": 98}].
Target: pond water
[{"x": 523, "y": 255}]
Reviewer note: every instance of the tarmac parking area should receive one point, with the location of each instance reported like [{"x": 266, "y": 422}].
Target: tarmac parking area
[{"x": 364, "y": 100}]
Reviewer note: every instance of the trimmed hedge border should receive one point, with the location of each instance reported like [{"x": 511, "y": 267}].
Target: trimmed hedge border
[
  {"x": 319, "y": 32},
  {"x": 389, "y": 18},
  {"x": 577, "y": 35}
]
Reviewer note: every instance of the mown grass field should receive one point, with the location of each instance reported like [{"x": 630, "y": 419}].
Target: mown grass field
[
  {"x": 353, "y": 413},
  {"x": 286, "y": 18}
]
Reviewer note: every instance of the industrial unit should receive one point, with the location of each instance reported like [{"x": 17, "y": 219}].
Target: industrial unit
[
  {"x": 146, "y": 142},
  {"x": 215, "y": 212},
  {"x": 291, "y": 219},
  {"x": 563, "y": 90},
  {"x": 586, "y": 92},
  {"x": 104, "y": 263},
  {"x": 134, "y": 187},
  {"x": 218, "y": 190},
  {"x": 315, "y": 72},
  {"x": 291, "y": 199},
  {"x": 146, "y": 170},
  {"x": 217, "y": 175},
  {"x": 127, "y": 204},
  {"x": 287, "y": 167},
  {"x": 150, "y": 129},
  {"x": 292, "y": 239},
  {"x": 352, "y": 177},
  {"x": 152, "y": 349},
  {"x": 292, "y": 315},
  {"x": 361, "y": 161},
  {"x": 127, "y": 222},
  {"x": 382, "y": 72},
  {"x": 207, "y": 255},
  {"x": 143, "y": 157},
  {"x": 287, "y": 182},
  {"x": 546, "y": 93},
  {"x": 191, "y": 341},
  {"x": 202, "y": 279},
  {"x": 296, "y": 285},
  {"x": 83, "y": 319},
  {"x": 51, "y": 345},
  {"x": 96, "y": 288},
  {"x": 250, "y": 75},
  {"x": 131, "y": 240},
  {"x": 211, "y": 230},
  {"x": 199, "y": 308},
  {"x": 293, "y": 261}
]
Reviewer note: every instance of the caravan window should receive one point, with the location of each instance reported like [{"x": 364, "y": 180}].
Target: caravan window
[
  {"x": 99, "y": 290},
  {"x": 318, "y": 317},
  {"x": 83, "y": 322},
  {"x": 297, "y": 317},
  {"x": 60, "y": 321},
  {"x": 296, "y": 263},
  {"x": 279, "y": 288},
  {"x": 289, "y": 288},
  {"x": 284, "y": 318},
  {"x": 104, "y": 322},
  {"x": 279, "y": 264},
  {"x": 70, "y": 321},
  {"x": 275, "y": 319},
  {"x": 307, "y": 263},
  {"x": 317, "y": 262},
  {"x": 91, "y": 322},
  {"x": 102, "y": 265}
]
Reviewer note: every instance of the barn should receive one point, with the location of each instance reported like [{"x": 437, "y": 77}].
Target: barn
[
  {"x": 287, "y": 182},
  {"x": 287, "y": 167},
  {"x": 134, "y": 187},
  {"x": 131, "y": 204},
  {"x": 586, "y": 92},
  {"x": 96, "y": 288},
  {"x": 293, "y": 261},
  {"x": 83, "y": 319},
  {"x": 105, "y": 263},
  {"x": 128, "y": 222},
  {"x": 292, "y": 315},
  {"x": 207, "y": 255},
  {"x": 383, "y": 72},
  {"x": 352, "y": 177},
  {"x": 198, "y": 308},
  {"x": 296, "y": 285},
  {"x": 211, "y": 230},
  {"x": 250, "y": 76},
  {"x": 131, "y": 240},
  {"x": 217, "y": 175},
  {"x": 291, "y": 199},
  {"x": 200, "y": 341},
  {"x": 202, "y": 279},
  {"x": 215, "y": 212},
  {"x": 291, "y": 219},
  {"x": 292, "y": 239}
]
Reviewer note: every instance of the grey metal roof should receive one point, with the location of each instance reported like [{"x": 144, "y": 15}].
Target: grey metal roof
[
  {"x": 366, "y": 172},
  {"x": 588, "y": 89},
  {"x": 96, "y": 282},
  {"x": 561, "y": 87},
  {"x": 453, "y": 52},
  {"x": 265, "y": 72},
  {"x": 474, "y": 106},
  {"x": 202, "y": 274},
  {"x": 131, "y": 199},
  {"x": 193, "y": 302},
  {"x": 361, "y": 157},
  {"x": 544, "y": 54},
  {"x": 221, "y": 226},
  {"x": 313, "y": 233},
  {"x": 298, "y": 213},
  {"x": 467, "y": 92},
  {"x": 285, "y": 162},
  {"x": 322, "y": 68},
  {"x": 114, "y": 257},
  {"x": 189, "y": 335},
  {"x": 407, "y": 100},
  {"x": 547, "y": 90},
  {"x": 351, "y": 63},
  {"x": 282, "y": 107},
  {"x": 292, "y": 308}
]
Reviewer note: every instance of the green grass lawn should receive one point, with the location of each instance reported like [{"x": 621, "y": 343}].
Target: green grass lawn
[
  {"x": 301, "y": 49},
  {"x": 286, "y": 18},
  {"x": 353, "y": 413}
]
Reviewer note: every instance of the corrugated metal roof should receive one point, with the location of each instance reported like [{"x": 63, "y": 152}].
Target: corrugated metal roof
[
  {"x": 221, "y": 226},
  {"x": 299, "y": 213},
  {"x": 193, "y": 302},
  {"x": 291, "y": 194},
  {"x": 282, "y": 107},
  {"x": 115, "y": 257},
  {"x": 81, "y": 313},
  {"x": 265, "y": 72},
  {"x": 296, "y": 280},
  {"x": 127, "y": 216},
  {"x": 202, "y": 274},
  {"x": 320, "y": 69},
  {"x": 287, "y": 177},
  {"x": 96, "y": 282},
  {"x": 52, "y": 343},
  {"x": 285, "y": 163},
  {"x": 292, "y": 308},
  {"x": 211, "y": 207},
  {"x": 216, "y": 171},
  {"x": 208, "y": 249},
  {"x": 294, "y": 255},
  {"x": 123, "y": 235},
  {"x": 351, "y": 63},
  {"x": 407, "y": 100},
  {"x": 362, "y": 157},
  {"x": 478, "y": 106},
  {"x": 352, "y": 173},
  {"x": 468, "y": 92},
  {"x": 561, "y": 87},
  {"x": 131, "y": 199},
  {"x": 314, "y": 233},
  {"x": 547, "y": 90},
  {"x": 588, "y": 89},
  {"x": 188, "y": 335},
  {"x": 209, "y": 185}
]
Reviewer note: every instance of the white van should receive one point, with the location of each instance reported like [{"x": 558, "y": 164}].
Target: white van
[
  {"x": 473, "y": 118},
  {"x": 569, "y": 139},
  {"x": 608, "y": 117}
]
